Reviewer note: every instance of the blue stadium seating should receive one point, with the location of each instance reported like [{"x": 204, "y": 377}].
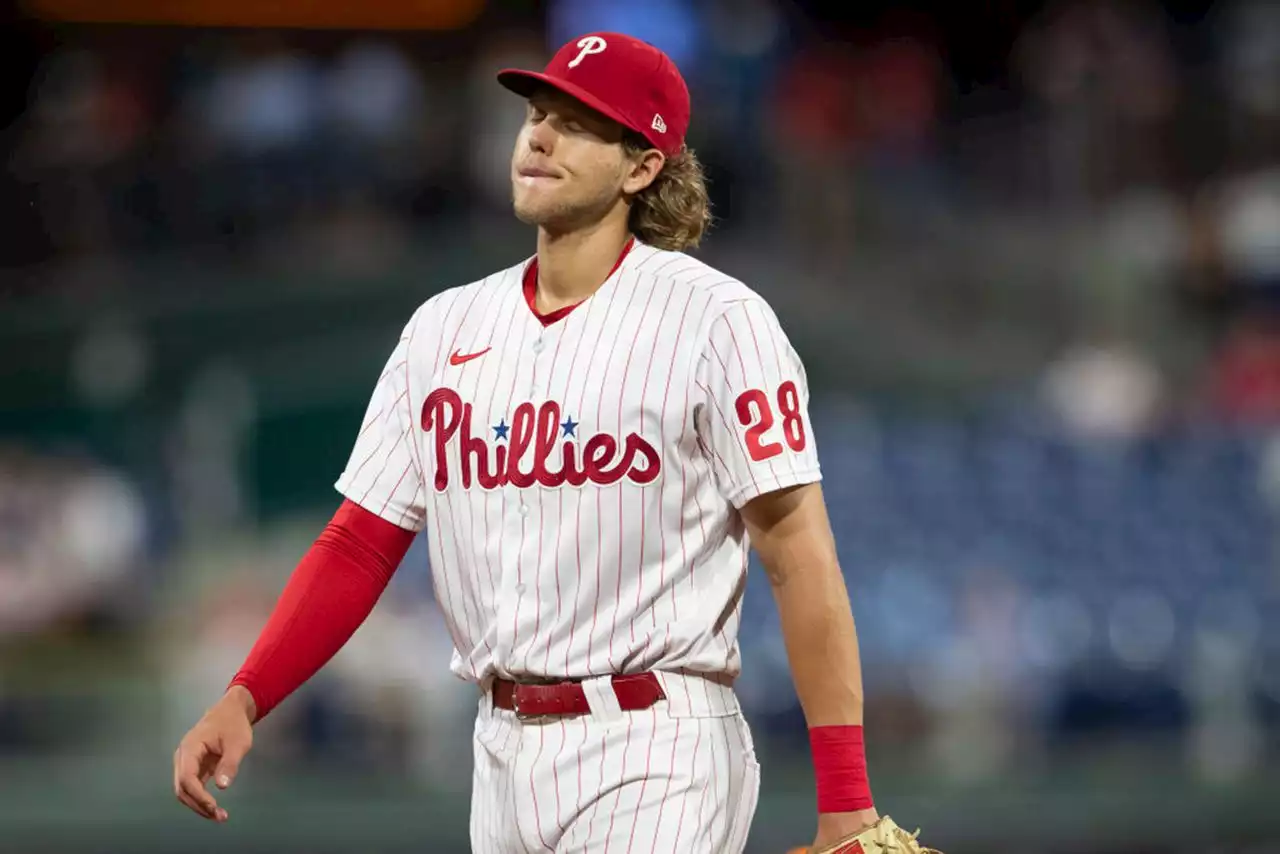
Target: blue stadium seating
[{"x": 1130, "y": 539}]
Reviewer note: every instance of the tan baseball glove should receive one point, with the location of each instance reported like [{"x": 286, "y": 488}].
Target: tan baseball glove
[{"x": 883, "y": 837}]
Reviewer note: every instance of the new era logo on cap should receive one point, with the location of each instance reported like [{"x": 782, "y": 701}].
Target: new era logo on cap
[{"x": 626, "y": 79}]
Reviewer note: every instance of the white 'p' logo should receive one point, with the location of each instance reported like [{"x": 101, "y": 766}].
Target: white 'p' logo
[{"x": 589, "y": 45}]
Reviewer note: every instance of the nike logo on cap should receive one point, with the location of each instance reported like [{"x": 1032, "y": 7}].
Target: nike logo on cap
[{"x": 457, "y": 358}]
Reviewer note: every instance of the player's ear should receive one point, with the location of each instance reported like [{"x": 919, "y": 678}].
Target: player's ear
[{"x": 643, "y": 167}]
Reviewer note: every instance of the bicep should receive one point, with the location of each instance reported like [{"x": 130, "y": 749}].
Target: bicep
[{"x": 790, "y": 530}]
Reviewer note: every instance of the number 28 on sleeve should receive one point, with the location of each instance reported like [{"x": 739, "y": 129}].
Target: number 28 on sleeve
[{"x": 755, "y": 412}]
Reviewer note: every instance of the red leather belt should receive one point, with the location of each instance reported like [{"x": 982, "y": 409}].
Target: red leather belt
[{"x": 634, "y": 691}]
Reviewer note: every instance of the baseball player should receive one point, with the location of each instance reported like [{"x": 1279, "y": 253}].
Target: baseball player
[{"x": 592, "y": 440}]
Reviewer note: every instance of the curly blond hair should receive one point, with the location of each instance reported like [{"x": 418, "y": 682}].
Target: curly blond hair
[{"x": 674, "y": 211}]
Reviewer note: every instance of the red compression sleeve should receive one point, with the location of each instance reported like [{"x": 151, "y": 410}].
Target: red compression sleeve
[{"x": 330, "y": 593}]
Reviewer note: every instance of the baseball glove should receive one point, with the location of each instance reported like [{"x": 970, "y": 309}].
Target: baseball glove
[{"x": 883, "y": 837}]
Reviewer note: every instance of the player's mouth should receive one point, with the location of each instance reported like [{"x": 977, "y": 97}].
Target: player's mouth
[{"x": 534, "y": 173}]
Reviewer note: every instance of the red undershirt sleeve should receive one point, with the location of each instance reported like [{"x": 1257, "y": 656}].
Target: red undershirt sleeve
[{"x": 330, "y": 593}]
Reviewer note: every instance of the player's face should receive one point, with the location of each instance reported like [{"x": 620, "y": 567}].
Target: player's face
[{"x": 569, "y": 167}]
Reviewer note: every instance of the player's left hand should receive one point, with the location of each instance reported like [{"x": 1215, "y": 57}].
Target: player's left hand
[
  {"x": 835, "y": 826},
  {"x": 870, "y": 834}
]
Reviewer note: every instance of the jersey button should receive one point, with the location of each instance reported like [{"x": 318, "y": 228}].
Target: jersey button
[
  {"x": 538, "y": 345},
  {"x": 524, "y": 509}
]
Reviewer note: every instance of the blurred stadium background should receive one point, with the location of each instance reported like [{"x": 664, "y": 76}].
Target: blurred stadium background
[{"x": 1030, "y": 252}]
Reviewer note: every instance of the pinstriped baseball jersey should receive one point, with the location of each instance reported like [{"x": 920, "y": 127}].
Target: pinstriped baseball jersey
[{"x": 579, "y": 480}]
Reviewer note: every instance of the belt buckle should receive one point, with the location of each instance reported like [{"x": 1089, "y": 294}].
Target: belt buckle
[{"x": 515, "y": 706}]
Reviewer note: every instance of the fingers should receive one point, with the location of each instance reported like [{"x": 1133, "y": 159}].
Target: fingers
[
  {"x": 213, "y": 749},
  {"x": 193, "y": 796},
  {"x": 188, "y": 788},
  {"x": 218, "y": 814},
  {"x": 233, "y": 751}
]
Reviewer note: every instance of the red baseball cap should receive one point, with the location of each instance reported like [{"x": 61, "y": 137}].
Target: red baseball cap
[{"x": 628, "y": 80}]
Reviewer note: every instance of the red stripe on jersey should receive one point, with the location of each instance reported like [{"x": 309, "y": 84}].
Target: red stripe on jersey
[
  {"x": 502, "y": 515},
  {"x": 621, "y": 397},
  {"x": 559, "y": 527},
  {"x": 613, "y": 667}
]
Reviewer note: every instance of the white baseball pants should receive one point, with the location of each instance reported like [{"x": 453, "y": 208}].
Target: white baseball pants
[{"x": 679, "y": 777}]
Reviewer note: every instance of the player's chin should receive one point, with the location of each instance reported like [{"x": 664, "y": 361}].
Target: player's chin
[
  {"x": 524, "y": 212},
  {"x": 533, "y": 210}
]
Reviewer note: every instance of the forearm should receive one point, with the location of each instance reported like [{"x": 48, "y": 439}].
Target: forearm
[
  {"x": 818, "y": 630},
  {"x": 329, "y": 595},
  {"x": 822, "y": 646},
  {"x": 792, "y": 534},
  {"x": 325, "y": 601}
]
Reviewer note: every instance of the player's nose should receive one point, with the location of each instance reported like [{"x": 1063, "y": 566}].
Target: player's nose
[{"x": 542, "y": 138}]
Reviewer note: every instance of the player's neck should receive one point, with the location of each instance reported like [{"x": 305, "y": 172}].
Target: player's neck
[{"x": 573, "y": 265}]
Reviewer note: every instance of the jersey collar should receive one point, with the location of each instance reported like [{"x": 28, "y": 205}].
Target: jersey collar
[{"x": 531, "y": 288}]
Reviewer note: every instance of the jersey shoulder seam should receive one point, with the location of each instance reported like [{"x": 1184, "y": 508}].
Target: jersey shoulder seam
[{"x": 705, "y": 278}]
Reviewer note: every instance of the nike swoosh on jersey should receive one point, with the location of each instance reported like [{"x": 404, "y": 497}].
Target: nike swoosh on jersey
[{"x": 457, "y": 357}]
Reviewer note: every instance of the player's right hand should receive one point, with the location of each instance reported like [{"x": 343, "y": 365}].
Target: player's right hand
[{"x": 214, "y": 748}]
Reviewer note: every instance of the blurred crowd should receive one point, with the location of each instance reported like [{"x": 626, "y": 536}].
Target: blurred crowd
[
  {"x": 142, "y": 139},
  {"x": 1111, "y": 194},
  {"x": 1132, "y": 150}
]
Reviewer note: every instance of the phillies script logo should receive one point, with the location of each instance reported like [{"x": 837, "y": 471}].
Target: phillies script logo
[{"x": 537, "y": 447}]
